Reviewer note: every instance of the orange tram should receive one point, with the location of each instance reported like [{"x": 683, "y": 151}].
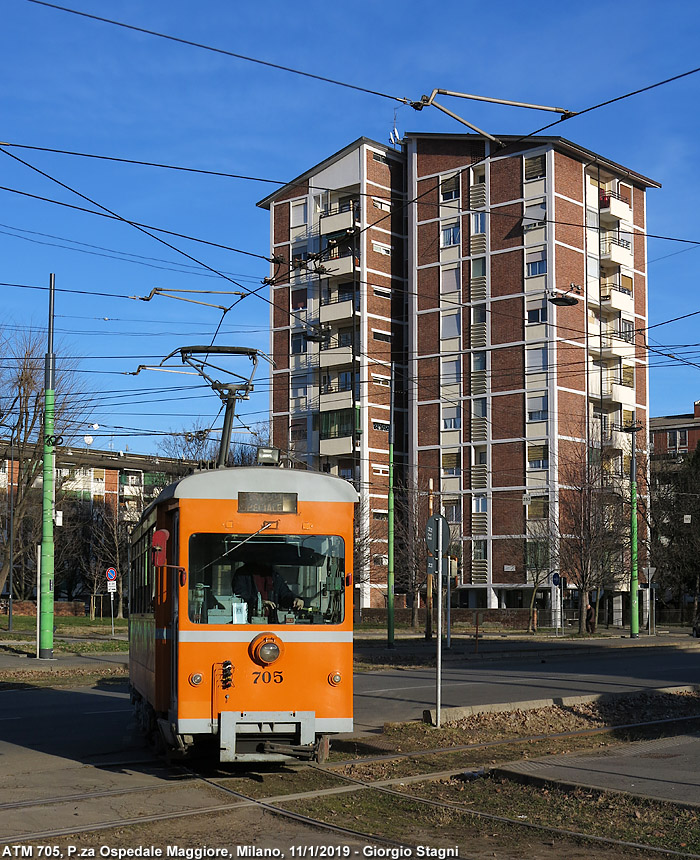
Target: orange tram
[{"x": 240, "y": 622}]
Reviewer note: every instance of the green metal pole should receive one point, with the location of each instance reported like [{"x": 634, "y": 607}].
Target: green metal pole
[
  {"x": 390, "y": 527},
  {"x": 47, "y": 548},
  {"x": 634, "y": 574}
]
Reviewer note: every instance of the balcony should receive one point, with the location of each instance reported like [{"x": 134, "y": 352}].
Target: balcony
[
  {"x": 614, "y": 297},
  {"x": 614, "y": 207},
  {"x": 616, "y": 252},
  {"x": 334, "y": 396},
  {"x": 339, "y": 262},
  {"x": 337, "y": 218},
  {"x": 336, "y": 446},
  {"x": 339, "y": 308},
  {"x": 616, "y": 345},
  {"x": 613, "y": 391}
]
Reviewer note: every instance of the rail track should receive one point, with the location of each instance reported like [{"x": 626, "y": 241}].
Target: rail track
[{"x": 275, "y": 805}]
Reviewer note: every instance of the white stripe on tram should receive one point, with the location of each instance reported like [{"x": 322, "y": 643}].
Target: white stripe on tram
[{"x": 248, "y": 636}]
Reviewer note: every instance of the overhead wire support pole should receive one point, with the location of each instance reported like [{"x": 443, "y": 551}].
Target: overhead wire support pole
[
  {"x": 46, "y": 584},
  {"x": 390, "y": 525}
]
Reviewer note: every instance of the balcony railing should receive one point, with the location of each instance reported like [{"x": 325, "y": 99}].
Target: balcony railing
[
  {"x": 607, "y": 286},
  {"x": 606, "y": 196},
  {"x": 339, "y": 208},
  {"x": 339, "y": 298},
  {"x": 606, "y": 245}
]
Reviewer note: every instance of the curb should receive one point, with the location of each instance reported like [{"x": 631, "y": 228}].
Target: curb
[{"x": 449, "y": 714}]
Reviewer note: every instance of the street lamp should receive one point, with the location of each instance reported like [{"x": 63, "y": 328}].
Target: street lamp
[{"x": 564, "y": 300}]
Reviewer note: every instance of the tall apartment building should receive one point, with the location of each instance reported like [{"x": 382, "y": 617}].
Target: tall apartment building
[{"x": 500, "y": 386}]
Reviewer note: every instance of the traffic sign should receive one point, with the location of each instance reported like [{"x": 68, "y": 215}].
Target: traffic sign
[
  {"x": 431, "y": 534},
  {"x": 111, "y": 586},
  {"x": 111, "y": 574},
  {"x": 432, "y": 565},
  {"x": 556, "y": 579}
]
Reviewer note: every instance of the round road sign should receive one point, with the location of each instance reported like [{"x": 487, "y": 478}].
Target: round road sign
[
  {"x": 111, "y": 574},
  {"x": 556, "y": 579}
]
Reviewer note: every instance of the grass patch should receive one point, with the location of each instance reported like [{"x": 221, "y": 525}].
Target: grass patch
[
  {"x": 631, "y": 819},
  {"x": 26, "y": 679},
  {"x": 87, "y": 647},
  {"x": 65, "y": 625}
]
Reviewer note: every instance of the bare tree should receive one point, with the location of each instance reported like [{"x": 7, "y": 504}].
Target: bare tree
[{"x": 22, "y": 395}]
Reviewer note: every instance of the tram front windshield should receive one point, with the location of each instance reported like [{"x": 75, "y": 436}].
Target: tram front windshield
[{"x": 266, "y": 579}]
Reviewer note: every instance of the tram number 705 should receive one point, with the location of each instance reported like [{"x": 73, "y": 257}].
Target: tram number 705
[{"x": 268, "y": 677}]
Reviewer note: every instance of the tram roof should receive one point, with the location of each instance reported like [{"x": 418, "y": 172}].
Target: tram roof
[{"x": 226, "y": 484}]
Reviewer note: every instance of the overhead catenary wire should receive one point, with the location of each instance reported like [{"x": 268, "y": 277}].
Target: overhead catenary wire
[{"x": 222, "y": 51}]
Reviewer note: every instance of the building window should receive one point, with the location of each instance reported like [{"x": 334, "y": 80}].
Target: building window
[
  {"x": 627, "y": 376},
  {"x": 345, "y": 337},
  {"x": 298, "y": 344},
  {"x": 478, "y": 314},
  {"x": 381, "y": 335},
  {"x": 381, "y": 380},
  {"x": 450, "y": 325},
  {"x": 535, "y": 216},
  {"x": 380, "y": 515},
  {"x": 382, "y": 471},
  {"x": 535, "y": 167},
  {"x": 345, "y": 472},
  {"x": 336, "y": 424},
  {"x": 537, "y": 314},
  {"x": 382, "y": 159},
  {"x": 450, "y": 463},
  {"x": 479, "y": 550},
  {"x": 382, "y": 426},
  {"x": 381, "y": 293},
  {"x": 677, "y": 440},
  {"x": 298, "y": 386},
  {"x": 537, "y": 457},
  {"x": 479, "y": 267},
  {"x": 449, "y": 281},
  {"x": 299, "y": 299},
  {"x": 300, "y": 254},
  {"x": 536, "y": 263},
  {"x": 592, "y": 219},
  {"x": 297, "y": 431},
  {"x": 627, "y": 330},
  {"x": 593, "y": 266},
  {"x": 453, "y": 510},
  {"x": 449, "y": 188},
  {"x": 450, "y": 372},
  {"x": 450, "y": 235},
  {"x": 479, "y": 360},
  {"x": 480, "y": 504},
  {"x": 479, "y": 407},
  {"x": 345, "y": 380},
  {"x": 450, "y": 417},
  {"x": 537, "y": 407},
  {"x": 380, "y": 560},
  {"x": 536, "y": 359},
  {"x": 537, "y": 555},
  {"x": 299, "y": 214},
  {"x": 478, "y": 223},
  {"x": 538, "y": 508}
]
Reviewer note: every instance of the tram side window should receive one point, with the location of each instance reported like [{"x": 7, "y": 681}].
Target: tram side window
[
  {"x": 285, "y": 579},
  {"x": 142, "y": 575}
]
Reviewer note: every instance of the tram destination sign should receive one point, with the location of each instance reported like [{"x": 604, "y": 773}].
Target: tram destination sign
[{"x": 267, "y": 503}]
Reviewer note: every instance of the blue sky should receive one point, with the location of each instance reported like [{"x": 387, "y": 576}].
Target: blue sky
[{"x": 76, "y": 84}]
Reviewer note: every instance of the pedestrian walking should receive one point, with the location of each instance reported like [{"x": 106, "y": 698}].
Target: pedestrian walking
[{"x": 590, "y": 619}]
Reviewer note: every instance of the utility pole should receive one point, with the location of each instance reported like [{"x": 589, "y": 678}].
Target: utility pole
[
  {"x": 47, "y": 548},
  {"x": 390, "y": 525},
  {"x": 633, "y": 429}
]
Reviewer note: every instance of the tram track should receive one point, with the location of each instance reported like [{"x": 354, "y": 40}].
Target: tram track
[{"x": 274, "y": 804}]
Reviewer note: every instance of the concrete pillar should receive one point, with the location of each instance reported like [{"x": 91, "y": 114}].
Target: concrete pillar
[
  {"x": 491, "y": 598},
  {"x": 617, "y": 610}
]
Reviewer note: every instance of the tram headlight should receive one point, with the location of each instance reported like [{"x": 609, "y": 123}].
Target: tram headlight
[
  {"x": 196, "y": 679},
  {"x": 269, "y": 652},
  {"x": 266, "y": 649},
  {"x": 334, "y": 679}
]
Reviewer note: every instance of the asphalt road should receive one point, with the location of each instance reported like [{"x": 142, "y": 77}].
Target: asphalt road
[{"x": 398, "y": 695}]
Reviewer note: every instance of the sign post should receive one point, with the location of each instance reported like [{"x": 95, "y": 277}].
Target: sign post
[
  {"x": 111, "y": 588},
  {"x": 437, "y": 536}
]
